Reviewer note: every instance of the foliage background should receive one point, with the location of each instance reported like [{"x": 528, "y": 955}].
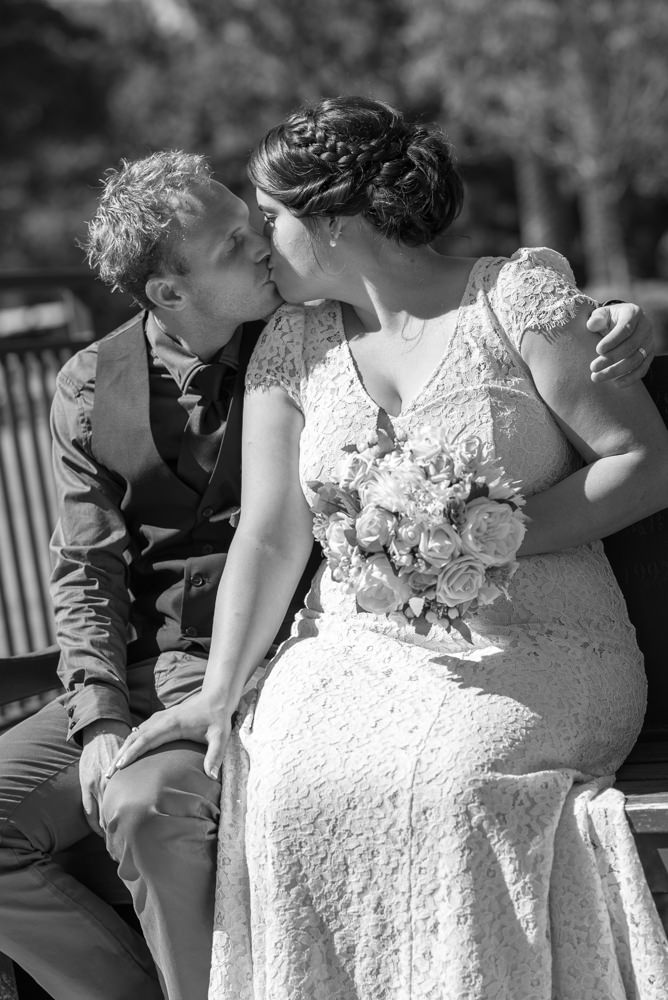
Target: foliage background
[{"x": 558, "y": 110}]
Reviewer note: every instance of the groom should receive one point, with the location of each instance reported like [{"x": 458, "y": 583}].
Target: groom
[{"x": 146, "y": 428}]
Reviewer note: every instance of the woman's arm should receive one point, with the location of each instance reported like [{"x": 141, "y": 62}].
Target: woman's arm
[
  {"x": 270, "y": 549},
  {"x": 621, "y": 437}
]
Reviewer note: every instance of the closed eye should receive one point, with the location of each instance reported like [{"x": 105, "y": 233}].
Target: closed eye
[{"x": 229, "y": 244}]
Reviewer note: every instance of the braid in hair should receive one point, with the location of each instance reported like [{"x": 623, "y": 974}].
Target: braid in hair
[{"x": 352, "y": 156}]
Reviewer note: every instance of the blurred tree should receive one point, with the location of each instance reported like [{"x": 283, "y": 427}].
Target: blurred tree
[
  {"x": 224, "y": 73},
  {"x": 575, "y": 93},
  {"x": 572, "y": 94},
  {"x": 52, "y": 85}
]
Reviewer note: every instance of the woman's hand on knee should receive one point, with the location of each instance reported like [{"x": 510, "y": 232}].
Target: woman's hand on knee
[{"x": 193, "y": 719}]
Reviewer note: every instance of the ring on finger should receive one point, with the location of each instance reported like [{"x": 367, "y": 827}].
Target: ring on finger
[
  {"x": 134, "y": 730},
  {"x": 643, "y": 353}
]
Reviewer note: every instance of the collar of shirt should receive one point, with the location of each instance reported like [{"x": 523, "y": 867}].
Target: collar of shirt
[{"x": 179, "y": 361}]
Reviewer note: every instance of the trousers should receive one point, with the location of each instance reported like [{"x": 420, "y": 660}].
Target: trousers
[{"x": 160, "y": 816}]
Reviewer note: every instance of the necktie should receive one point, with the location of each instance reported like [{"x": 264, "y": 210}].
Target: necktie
[{"x": 213, "y": 384}]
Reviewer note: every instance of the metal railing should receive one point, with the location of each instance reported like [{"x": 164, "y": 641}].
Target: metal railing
[
  {"x": 42, "y": 323},
  {"x": 27, "y": 497}
]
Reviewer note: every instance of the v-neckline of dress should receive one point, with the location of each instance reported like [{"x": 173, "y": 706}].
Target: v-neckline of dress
[{"x": 352, "y": 364}]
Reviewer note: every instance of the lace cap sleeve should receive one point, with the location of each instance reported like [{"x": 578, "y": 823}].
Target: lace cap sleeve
[
  {"x": 278, "y": 356},
  {"x": 536, "y": 292}
]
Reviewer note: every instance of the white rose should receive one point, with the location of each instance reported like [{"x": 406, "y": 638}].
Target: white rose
[
  {"x": 460, "y": 581},
  {"x": 339, "y": 536},
  {"x": 438, "y": 545},
  {"x": 353, "y": 469},
  {"x": 374, "y": 528},
  {"x": 422, "y": 583},
  {"x": 403, "y": 547},
  {"x": 492, "y": 532},
  {"x": 378, "y": 589},
  {"x": 408, "y": 532}
]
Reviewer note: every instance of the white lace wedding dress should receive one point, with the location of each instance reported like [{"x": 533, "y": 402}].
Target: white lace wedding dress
[{"x": 417, "y": 818}]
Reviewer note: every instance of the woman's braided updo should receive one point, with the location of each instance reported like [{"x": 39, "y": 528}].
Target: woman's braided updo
[{"x": 355, "y": 156}]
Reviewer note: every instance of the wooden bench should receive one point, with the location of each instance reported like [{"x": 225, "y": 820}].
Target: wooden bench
[{"x": 639, "y": 557}]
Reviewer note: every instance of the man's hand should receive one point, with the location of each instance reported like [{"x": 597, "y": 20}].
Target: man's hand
[
  {"x": 101, "y": 742},
  {"x": 627, "y": 346},
  {"x": 196, "y": 718}
]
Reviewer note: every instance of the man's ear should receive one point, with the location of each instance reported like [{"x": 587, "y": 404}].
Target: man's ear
[{"x": 165, "y": 293}]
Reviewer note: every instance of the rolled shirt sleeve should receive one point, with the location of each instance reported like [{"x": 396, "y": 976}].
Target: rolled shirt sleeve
[{"x": 90, "y": 548}]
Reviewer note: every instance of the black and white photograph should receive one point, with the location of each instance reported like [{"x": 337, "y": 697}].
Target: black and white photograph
[{"x": 333, "y": 500}]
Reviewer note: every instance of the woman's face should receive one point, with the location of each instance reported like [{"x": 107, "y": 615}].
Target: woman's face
[{"x": 297, "y": 250}]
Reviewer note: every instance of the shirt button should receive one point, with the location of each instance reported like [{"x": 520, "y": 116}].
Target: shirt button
[
  {"x": 197, "y": 580},
  {"x": 207, "y": 549},
  {"x": 207, "y": 511},
  {"x": 191, "y": 631}
]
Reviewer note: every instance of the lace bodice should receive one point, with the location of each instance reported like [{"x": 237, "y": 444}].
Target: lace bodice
[{"x": 481, "y": 386}]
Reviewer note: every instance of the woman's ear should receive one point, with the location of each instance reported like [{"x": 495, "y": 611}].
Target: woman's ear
[
  {"x": 164, "y": 293},
  {"x": 335, "y": 227}
]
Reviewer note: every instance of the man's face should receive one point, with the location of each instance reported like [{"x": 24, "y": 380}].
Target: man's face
[{"x": 227, "y": 280}]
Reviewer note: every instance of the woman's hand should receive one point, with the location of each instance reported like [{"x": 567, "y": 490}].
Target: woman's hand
[
  {"x": 194, "y": 719},
  {"x": 627, "y": 347}
]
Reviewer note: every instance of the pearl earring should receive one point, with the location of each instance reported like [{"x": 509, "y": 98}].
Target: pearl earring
[{"x": 332, "y": 241}]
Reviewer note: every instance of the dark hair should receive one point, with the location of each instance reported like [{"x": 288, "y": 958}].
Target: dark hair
[
  {"x": 131, "y": 236},
  {"x": 353, "y": 155}
]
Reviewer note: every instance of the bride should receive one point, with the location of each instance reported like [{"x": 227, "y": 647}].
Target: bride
[{"x": 409, "y": 816}]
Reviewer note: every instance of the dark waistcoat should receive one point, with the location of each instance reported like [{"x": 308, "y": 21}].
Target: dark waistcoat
[{"x": 179, "y": 537}]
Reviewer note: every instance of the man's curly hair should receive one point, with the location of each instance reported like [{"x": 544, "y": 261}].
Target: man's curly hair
[{"x": 131, "y": 236}]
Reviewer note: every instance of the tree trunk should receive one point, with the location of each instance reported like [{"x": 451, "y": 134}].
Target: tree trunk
[
  {"x": 540, "y": 204},
  {"x": 605, "y": 254},
  {"x": 596, "y": 154}
]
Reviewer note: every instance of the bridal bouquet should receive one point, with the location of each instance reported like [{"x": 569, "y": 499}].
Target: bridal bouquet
[{"x": 422, "y": 526}]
